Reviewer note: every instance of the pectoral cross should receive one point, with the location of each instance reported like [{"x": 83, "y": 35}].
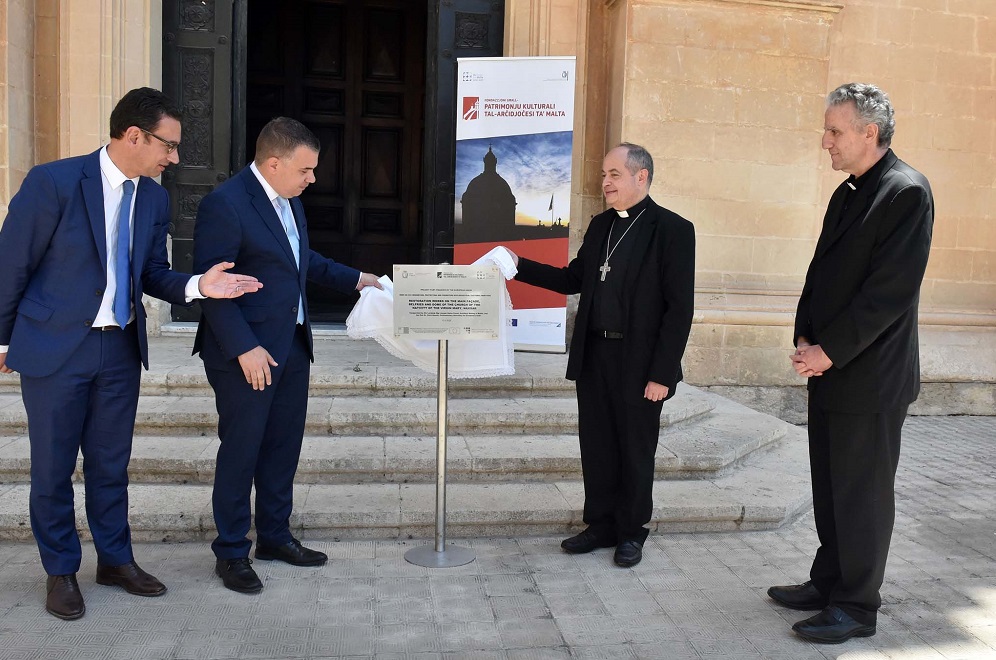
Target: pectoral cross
[{"x": 604, "y": 269}]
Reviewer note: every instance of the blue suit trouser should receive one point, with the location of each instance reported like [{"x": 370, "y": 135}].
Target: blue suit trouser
[
  {"x": 87, "y": 406},
  {"x": 261, "y": 432}
]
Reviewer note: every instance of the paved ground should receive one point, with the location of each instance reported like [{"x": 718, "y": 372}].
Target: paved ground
[{"x": 694, "y": 595}]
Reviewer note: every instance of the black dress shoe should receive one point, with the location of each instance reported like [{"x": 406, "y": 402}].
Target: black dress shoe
[
  {"x": 293, "y": 553},
  {"x": 64, "y": 600},
  {"x": 131, "y": 578},
  {"x": 799, "y": 596},
  {"x": 584, "y": 542},
  {"x": 237, "y": 574},
  {"x": 628, "y": 553},
  {"x": 832, "y": 626}
]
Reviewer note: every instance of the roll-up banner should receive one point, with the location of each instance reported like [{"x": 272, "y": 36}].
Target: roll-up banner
[{"x": 515, "y": 128}]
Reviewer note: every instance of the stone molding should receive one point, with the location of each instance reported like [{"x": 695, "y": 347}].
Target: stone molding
[
  {"x": 780, "y": 311},
  {"x": 823, "y": 6}
]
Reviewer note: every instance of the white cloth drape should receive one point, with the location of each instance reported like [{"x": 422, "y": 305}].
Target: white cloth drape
[{"x": 373, "y": 318}]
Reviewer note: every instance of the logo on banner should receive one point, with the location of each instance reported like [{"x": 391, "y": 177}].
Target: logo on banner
[{"x": 471, "y": 107}]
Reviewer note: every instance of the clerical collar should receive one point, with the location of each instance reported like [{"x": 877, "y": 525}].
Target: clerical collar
[
  {"x": 855, "y": 182},
  {"x": 635, "y": 209}
]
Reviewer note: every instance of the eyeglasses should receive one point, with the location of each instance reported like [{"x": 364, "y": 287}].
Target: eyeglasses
[{"x": 170, "y": 146}]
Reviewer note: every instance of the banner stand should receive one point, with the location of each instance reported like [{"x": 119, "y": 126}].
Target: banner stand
[{"x": 439, "y": 555}]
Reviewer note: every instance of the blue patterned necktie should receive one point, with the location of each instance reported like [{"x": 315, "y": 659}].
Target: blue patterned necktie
[{"x": 122, "y": 258}]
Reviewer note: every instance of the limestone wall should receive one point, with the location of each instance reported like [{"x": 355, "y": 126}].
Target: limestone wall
[{"x": 728, "y": 95}]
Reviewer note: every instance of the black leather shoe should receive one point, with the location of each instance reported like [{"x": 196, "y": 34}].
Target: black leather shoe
[
  {"x": 832, "y": 626},
  {"x": 237, "y": 574},
  {"x": 584, "y": 542},
  {"x": 64, "y": 600},
  {"x": 799, "y": 596},
  {"x": 628, "y": 553},
  {"x": 293, "y": 553},
  {"x": 131, "y": 578}
]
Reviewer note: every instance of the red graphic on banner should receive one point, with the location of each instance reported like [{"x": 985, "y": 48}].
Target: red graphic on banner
[
  {"x": 548, "y": 250},
  {"x": 471, "y": 107}
]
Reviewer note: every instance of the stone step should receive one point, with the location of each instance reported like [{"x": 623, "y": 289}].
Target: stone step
[
  {"x": 769, "y": 489},
  {"x": 362, "y": 415},
  {"x": 535, "y": 375},
  {"x": 692, "y": 449}
]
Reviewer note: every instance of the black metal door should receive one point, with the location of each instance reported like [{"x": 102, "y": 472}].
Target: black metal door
[
  {"x": 457, "y": 28},
  {"x": 197, "y": 74}
]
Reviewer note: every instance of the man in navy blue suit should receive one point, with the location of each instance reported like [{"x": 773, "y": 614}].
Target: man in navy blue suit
[
  {"x": 257, "y": 353},
  {"x": 84, "y": 238}
]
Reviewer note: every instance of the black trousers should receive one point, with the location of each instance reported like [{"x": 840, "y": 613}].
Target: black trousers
[
  {"x": 618, "y": 435},
  {"x": 853, "y": 459}
]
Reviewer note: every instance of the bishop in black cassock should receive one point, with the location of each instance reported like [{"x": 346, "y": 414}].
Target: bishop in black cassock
[{"x": 635, "y": 272}]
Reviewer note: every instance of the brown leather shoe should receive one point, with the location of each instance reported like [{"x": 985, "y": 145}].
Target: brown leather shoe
[
  {"x": 65, "y": 600},
  {"x": 131, "y": 578}
]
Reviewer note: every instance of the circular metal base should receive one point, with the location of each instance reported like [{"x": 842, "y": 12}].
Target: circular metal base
[{"x": 451, "y": 556}]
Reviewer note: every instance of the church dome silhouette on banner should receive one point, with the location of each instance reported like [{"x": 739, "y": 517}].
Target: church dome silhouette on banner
[{"x": 488, "y": 207}]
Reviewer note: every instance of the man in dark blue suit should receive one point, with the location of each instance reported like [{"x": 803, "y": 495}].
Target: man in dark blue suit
[
  {"x": 258, "y": 353},
  {"x": 84, "y": 239}
]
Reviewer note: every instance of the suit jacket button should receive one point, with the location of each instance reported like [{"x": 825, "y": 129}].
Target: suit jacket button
[
  {"x": 88, "y": 323},
  {"x": 99, "y": 293},
  {"x": 294, "y": 309}
]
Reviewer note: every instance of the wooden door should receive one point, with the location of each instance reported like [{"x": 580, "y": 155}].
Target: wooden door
[{"x": 354, "y": 73}]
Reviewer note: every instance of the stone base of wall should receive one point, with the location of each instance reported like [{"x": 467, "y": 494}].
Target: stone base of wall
[{"x": 789, "y": 402}]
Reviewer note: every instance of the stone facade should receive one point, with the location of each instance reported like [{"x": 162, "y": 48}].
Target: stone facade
[{"x": 727, "y": 94}]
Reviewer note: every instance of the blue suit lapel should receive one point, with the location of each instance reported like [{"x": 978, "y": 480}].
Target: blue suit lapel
[
  {"x": 141, "y": 224},
  {"x": 298, "y": 208},
  {"x": 93, "y": 196}
]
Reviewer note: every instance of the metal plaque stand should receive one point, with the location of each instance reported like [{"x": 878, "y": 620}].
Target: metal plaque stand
[{"x": 440, "y": 556}]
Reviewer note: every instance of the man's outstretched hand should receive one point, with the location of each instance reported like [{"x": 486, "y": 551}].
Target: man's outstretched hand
[{"x": 216, "y": 283}]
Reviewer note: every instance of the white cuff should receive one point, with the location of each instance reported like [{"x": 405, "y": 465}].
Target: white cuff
[
  {"x": 192, "y": 290},
  {"x": 3, "y": 349}
]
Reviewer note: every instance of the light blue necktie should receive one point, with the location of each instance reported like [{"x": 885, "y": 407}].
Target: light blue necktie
[
  {"x": 290, "y": 227},
  {"x": 122, "y": 259}
]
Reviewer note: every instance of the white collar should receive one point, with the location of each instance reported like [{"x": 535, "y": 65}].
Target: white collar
[
  {"x": 115, "y": 177},
  {"x": 271, "y": 194}
]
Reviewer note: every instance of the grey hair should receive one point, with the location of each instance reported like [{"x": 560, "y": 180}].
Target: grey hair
[
  {"x": 638, "y": 158},
  {"x": 873, "y": 107}
]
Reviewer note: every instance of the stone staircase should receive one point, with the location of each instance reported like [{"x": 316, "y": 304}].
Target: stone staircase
[{"x": 368, "y": 464}]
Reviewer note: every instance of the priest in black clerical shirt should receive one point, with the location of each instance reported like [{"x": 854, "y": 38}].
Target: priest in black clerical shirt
[{"x": 635, "y": 272}]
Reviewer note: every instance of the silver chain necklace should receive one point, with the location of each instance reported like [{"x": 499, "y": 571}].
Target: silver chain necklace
[{"x": 605, "y": 268}]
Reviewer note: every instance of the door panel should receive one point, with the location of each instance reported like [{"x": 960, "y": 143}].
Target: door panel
[
  {"x": 197, "y": 65},
  {"x": 355, "y": 75}
]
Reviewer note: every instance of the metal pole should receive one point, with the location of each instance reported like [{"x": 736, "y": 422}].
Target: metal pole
[
  {"x": 440, "y": 556},
  {"x": 442, "y": 371}
]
